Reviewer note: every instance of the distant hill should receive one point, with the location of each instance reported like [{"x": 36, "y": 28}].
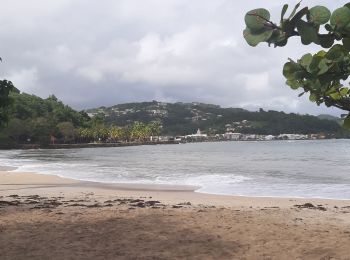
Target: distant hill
[
  {"x": 186, "y": 118},
  {"x": 330, "y": 117}
]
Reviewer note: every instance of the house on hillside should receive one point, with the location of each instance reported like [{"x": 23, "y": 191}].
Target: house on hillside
[
  {"x": 197, "y": 136},
  {"x": 233, "y": 136}
]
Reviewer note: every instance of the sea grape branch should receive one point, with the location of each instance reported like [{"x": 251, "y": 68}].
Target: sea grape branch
[{"x": 323, "y": 74}]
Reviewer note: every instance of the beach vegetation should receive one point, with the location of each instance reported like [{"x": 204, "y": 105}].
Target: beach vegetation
[{"x": 6, "y": 87}]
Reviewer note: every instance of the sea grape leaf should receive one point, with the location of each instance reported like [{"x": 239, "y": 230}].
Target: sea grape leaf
[
  {"x": 346, "y": 43},
  {"x": 336, "y": 53},
  {"x": 312, "y": 97},
  {"x": 284, "y": 10},
  {"x": 340, "y": 17},
  {"x": 290, "y": 68},
  {"x": 347, "y": 122},
  {"x": 319, "y": 15},
  {"x": 290, "y": 26},
  {"x": 306, "y": 60},
  {"x": 294, "y": 10},
  {"x": 326, "y": 40},
  {"x": 254, "y": 39},
  {"x": 308, "y": 32},
  {"x": 314, "y": 65},
  {"x": 323, "y": 67},
  {"x": 335, "y": 96},
  {"x": 256, "y": 19},
  {"x": 294, "y": 84},
  {"x": 344, "y": 91}
]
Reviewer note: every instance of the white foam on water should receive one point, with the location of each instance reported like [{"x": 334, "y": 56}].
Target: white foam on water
[{"x": 244, "y": 169}]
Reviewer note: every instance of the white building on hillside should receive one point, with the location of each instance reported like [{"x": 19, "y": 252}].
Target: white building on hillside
[
  {"x": 197, "y": 135},
  {"x": 233, "y": 136}
]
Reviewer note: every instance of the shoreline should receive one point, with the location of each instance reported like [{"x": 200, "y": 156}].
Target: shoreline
[
  {"x": 51, "y": 184},
  {"x": 82, "y": 145},
  {"x": 58, "y": 218},
  {"x": 130, "y": 144},
  {"x": 156, "y": 187}
]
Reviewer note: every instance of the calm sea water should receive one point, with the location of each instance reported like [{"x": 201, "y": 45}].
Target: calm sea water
[{"x": 277, "y": 168}]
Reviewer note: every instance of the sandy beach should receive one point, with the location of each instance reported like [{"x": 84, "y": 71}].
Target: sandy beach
[{"x": 48, "y": 217}]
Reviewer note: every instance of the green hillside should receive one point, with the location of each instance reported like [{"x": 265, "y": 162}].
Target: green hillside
[
  {"x": 186, "y": 118},
  {"x": 34, "y": 120},
  {"x": 332, "y": 118}
]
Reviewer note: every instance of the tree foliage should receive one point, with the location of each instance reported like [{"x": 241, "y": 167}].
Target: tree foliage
[
  {"x": 41, "y": 121},
  {"x": 323, "y": 74},
  {"x": 36, "y": 120},
  {"x": 6, "y": 87}
]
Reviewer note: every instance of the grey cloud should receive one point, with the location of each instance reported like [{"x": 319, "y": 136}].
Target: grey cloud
[{"x": 103, "y": 53}]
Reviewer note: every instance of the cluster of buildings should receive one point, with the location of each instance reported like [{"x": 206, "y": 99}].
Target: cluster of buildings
[
  {"x": 231, "y": 136},
  {"x": 158, "y": 109},
  {"x": 255, "y": 137}
]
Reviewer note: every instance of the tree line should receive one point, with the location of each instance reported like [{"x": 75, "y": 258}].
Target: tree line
[{"x": 33, "y": 120}]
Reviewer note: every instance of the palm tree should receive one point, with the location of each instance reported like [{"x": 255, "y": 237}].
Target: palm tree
[
  {"x": 115, "y": 133},
  {"x": 155, "y": 128}
]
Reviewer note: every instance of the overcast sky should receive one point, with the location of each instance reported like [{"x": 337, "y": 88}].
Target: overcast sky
[{"x": 101, "y": 53}]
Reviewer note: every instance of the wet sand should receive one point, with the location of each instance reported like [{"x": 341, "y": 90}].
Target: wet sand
[{"x": 48, "y": 217}]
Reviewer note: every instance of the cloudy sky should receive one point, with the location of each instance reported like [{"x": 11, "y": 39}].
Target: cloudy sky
[{"x": 94, "y": 53}]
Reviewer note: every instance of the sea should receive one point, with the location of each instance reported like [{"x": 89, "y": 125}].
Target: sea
[{"x": 301, "y": 168}]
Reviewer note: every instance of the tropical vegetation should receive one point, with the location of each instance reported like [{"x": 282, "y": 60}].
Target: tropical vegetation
[
  {"x": 33, "y": 120},
  {"x": 6, "y": 87}
]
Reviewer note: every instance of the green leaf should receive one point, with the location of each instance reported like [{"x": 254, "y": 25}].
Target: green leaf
[
  {"x": 321, "y": 54},
  {"x": 344, "y": 91},
  {"x": 319, "y": 15},
  {"x": 308, "y": 32},
  {"x": 284, "y": 10},
  {"x": 340, "y": 17},
  {"x": 312, "y": 97},
  {"x": 305, "y": 61},
  {"x": 256, "y": 19},
  {"x": 290, "y": 26},
  {"x": 323, "y": 67},
  {"x": 281, "y": 43},
  {"x": 329, "y": 28},
  {"x": 336, "y": 53},
  {"x": 278, "y": 38},
  {"x": 335, "y": 96},
  {"x": 346, "y": 31},
  {"x": 314, "y": 65},
  {"x": 347, "y": 122},
  {"x": 294, "y": 10},
  {"x": 253, "y": 39},
  {"x": 290, "y": 68},
  {"x": 298, "y": 75},
  {"x": 294, "y": 84},
  {"x": 346, "y": 43},
  {"x": 326, "y": 41}
]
